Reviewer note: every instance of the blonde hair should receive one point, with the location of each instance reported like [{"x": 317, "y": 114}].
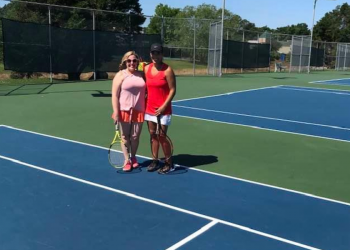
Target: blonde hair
[{"x": 122, "y": 64}]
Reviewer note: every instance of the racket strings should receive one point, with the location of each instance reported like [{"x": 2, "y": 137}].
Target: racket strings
[{"x": 116, "y": 158}]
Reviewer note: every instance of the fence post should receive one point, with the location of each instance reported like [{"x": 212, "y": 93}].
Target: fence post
[
  {"x": 227, "y": 49},
  {"x": 324, "y": 56},
  {"x": 346, "y": 48},
  {"x": 94, "y": 42},
  {"x": 162, "y": 31},
  {"x": 270, "y": 49},
  {"x": 301, "y": 52},
  {"x": 216, "y": 32},
  {"x": 194, "y": 46},
  {"x": 50, "y": 43},
  {"x": 257, "y": 54},
  {"x": 291, "y": 55},
  {"x": 242, "y": 57}
]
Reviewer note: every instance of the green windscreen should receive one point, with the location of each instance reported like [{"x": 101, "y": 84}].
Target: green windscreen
[
  {"x": 30, "y": 47},
  {"x": 245, "y": 55}
]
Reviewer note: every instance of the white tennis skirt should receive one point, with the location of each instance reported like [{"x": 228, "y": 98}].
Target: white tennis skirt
[{"x": 164, "y": 119}]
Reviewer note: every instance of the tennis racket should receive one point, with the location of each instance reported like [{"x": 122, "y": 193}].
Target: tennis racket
[
  {"x": 115, "y": 152},
  {"x": 162, "y": 149}
]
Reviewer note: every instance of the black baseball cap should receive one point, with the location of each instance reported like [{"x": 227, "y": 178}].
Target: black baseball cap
[{"x": 156, "y": 47}]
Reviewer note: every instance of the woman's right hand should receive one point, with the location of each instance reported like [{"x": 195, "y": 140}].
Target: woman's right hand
[{"x": 115, "y": 117}]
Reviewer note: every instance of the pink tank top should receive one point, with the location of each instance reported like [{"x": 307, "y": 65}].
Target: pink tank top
[{"x": 132, "y": 93}]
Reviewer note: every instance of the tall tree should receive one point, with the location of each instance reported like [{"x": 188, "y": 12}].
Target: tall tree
[
  {"x": 160, "y": 25},
  {"x": 298, "y": 29},
  {"x": 335, "y": 25}
]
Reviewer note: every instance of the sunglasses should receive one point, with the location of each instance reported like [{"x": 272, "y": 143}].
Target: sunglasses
[{"x": 134, "y": 61}]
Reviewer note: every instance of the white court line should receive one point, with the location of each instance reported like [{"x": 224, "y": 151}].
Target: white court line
[
  {"x": 262, "y": 128},
  {"x": 330, "y": 80},
  {"x": 208, "y": 172},
  {"x": 330, "y": 84},
  {"x": 230, "y": 93},
  {"x": 291, "y": 86},
  {"x": 160, "y": 204},
  {"x": 264, "y": 117},
  {"x": 194, "y": 235},
  {"x": 316, "y": 91},
  {"x": 257, "y": 127}
]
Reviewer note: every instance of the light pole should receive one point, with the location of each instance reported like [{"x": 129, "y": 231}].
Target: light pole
[{"x": 312, "y": 33}]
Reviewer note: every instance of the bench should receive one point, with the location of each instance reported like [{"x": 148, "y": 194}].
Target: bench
[{"x": 279, "y": 67}]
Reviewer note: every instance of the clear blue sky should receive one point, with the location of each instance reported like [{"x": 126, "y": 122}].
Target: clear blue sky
[{"x": 273, "y": 13}]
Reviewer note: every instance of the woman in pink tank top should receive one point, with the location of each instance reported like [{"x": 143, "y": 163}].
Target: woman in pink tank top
[
  {"x": 128, "y": 102},
  {"x": 161, "y": 89}
]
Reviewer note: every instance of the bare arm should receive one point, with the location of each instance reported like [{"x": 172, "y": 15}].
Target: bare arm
[
  {"x": 171, "y": 79},
  {"x": 116, "y": 86}
]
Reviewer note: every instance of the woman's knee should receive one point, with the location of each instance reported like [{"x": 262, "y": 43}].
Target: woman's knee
[
  {"x": 125, "y": 139},
  {"x": 135, "y": 138}
]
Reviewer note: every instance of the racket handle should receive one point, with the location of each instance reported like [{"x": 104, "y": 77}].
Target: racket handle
[{"x": 116, "y": 125}]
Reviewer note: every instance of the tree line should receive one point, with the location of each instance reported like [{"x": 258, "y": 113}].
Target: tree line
[{"x": 333, "y": 27}]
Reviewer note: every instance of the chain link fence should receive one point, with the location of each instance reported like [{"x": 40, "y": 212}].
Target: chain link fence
[{"x": 80, "y": 43}]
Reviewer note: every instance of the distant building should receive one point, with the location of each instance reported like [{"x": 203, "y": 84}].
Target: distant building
[
  {"x": 286, "y": 47},
  {"x": 265, "y": 37}
]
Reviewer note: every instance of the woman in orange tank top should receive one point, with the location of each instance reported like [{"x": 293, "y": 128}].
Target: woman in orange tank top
[
  {"x": 161, "y": 89},
  {"x": 128, "y": 102}
]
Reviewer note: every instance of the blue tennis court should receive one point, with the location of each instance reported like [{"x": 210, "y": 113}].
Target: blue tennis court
[
  {"x": 61, "y": 194},
  {"x": 299, "y": 110},
  {"x": 344, "y": 82}
]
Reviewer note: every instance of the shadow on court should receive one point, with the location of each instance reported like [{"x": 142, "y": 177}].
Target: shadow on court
[
  {"x": 23, "y": 89},
  {"x": 101, "y": 94},
  {"x": 134, "y": 171},
  {"x": 177, "y": 170},
  {"x": 185, "y": 161},
  {"x": 194, "y": 160},
  {"x": 282, "y": 78}
]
